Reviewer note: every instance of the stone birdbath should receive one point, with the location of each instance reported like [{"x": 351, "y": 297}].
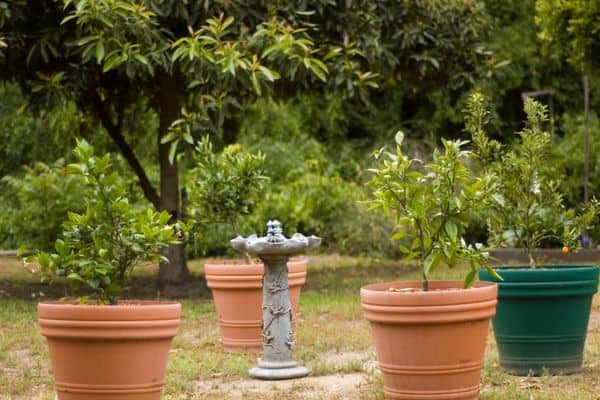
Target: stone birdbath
[{"x": 278, "y": 339}]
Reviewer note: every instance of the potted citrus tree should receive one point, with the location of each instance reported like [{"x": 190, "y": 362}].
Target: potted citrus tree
[
  {"x": 543, "y": 310},
  {"x": 223, "y": 189},
  {"x": 103, "y": 347},
  {"x": 430, "y": 335}
]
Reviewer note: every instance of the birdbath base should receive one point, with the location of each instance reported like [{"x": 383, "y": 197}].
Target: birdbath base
[{"x": 272, "y": 374}]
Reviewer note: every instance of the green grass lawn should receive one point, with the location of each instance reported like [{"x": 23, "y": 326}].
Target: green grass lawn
[{"x": 332, "y": 339}]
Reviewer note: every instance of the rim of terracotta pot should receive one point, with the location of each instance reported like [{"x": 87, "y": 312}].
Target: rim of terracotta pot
[
  {"x": 446, "y": 301},
  {"x": 233, "y": 274},
  {"x": 130, "y": 319},
  {"x": 239, "y": 262}
]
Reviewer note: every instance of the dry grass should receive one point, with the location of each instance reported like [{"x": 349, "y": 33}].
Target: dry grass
[{"x": 333, "y": 340}]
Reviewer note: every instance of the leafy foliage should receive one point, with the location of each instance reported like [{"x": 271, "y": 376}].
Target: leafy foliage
[
  {"x": 21, "y": 131},
  {"x": 315, "y": 187},
  {"x": 571, "y": 28},
  {"x": 104, "y": 53},
  {"x": 521, "y": 63},
  {"x": 195, "y": 64},
  {"x": 527, "y": 207},
  {"x": 432, "y": 205},
  {"x": 224, "y": 187},
  {"x": 34, "y": 206},
  {"x": 100, "y": 246},
  {"x": 567, "y": 152},
  {"x": 316, "y": 201}
]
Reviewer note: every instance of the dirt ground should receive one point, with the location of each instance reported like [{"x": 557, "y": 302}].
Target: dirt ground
[{"x": 333, "y": 386}]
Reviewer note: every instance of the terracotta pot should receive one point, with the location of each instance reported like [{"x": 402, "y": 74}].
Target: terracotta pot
[
  {"x": 237, "y": 290},
  {"x": 430, "y": 345},
  {"x": 109, "y": 352}
]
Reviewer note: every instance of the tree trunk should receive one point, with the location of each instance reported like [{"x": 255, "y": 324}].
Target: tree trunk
[{"x": 176, "y": 271}]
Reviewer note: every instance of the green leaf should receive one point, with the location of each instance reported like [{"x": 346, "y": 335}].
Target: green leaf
[
  {"x": 470, "y": 278},
  {"x": 187, "y": 136},
  {"x": 112, "y": 62},
  {"x": 75, "y": 276},
  {"x": 270, "y": 50},
  {"x": 269, "y": 74},
  {"x": 498, "y": 199},
  {"x": 431, "y": 262},
  {"x": 256, "y": 83},
  {"x": 99, "y": 51},
  {"x": 451, "y": 230},
  {"x": 228, "y": 21},
  {"x": 76, "y": 169},
  {"x": 68, "y": 18},
  {"x": 173, "y": 151},
  {"x": 140, "y": 58},
  {"x": 398, "y": 235},
  {"x": 318, "y": 72},
  {"x": 494, "y": 273},
  {"x": 21, "y": 250},
  {"x": 87, "y": 39},
  {"x": 113, "y": 290},
  {"x": 399, "y": 138},
  {"x": 93, "y": 283},
  {"x": 61, "y": 247},
  {"x": 169, "y": 137},
  {"x": 404, "y": 249}
]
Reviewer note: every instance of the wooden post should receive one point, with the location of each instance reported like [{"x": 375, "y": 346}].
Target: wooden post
[{"x": 586, "y": 139}]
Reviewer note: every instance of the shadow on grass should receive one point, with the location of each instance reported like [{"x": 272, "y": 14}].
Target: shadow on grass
[
  {"x": 325, "y": 273},
  {"x": 143, "y": 287}
]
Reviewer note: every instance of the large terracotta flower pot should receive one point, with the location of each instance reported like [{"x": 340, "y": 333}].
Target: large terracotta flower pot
[
  {"x": 237, "y": 291},
  {"x": 542, "y": 317},
  {"x": 430, "y": 345},
  {"x": 109, "y": 352}
]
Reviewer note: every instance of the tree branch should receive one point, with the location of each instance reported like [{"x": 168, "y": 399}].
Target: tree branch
[{"x": 114, "y": 131}]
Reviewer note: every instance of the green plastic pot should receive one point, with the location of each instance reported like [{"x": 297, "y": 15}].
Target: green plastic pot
[{"x": 542, "y": 317}]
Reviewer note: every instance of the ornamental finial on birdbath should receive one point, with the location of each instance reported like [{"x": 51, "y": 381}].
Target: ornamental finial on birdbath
[
  {"x": 274, "y": 249},
  {"x": 274, "y": 231}
]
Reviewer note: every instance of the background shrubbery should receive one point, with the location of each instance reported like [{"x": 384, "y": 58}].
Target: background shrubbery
[{"x": 317, "y": 147}]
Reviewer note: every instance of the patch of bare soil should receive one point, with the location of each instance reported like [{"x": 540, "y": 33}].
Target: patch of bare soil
[{"x": 340, "y": 386}]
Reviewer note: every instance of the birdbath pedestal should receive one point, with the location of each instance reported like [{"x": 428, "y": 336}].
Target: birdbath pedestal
[{"x": 278, "y": 339}]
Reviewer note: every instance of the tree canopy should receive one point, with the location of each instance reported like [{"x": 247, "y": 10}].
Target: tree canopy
[
  {"x": 571, "y": 29},
  {"x": 195, "y": 63}
]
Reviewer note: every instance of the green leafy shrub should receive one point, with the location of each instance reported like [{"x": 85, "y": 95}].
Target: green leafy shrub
[
  {"x": 34, "y": 206},
  {"x": 314, "y": 201},
  {"x": 100, "y": 246},
  {"x": 316, "y": 186},
  {"x": 527, "y": 207},
  {"x": 223, "y": 188},
  {"x": 568, "y": 153},
  {"x": 273, "y": 128},
  {"x": 432, "y": 204},
  {"x": 23, "y": 132},
  {"x": 570, "y": 29}
]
